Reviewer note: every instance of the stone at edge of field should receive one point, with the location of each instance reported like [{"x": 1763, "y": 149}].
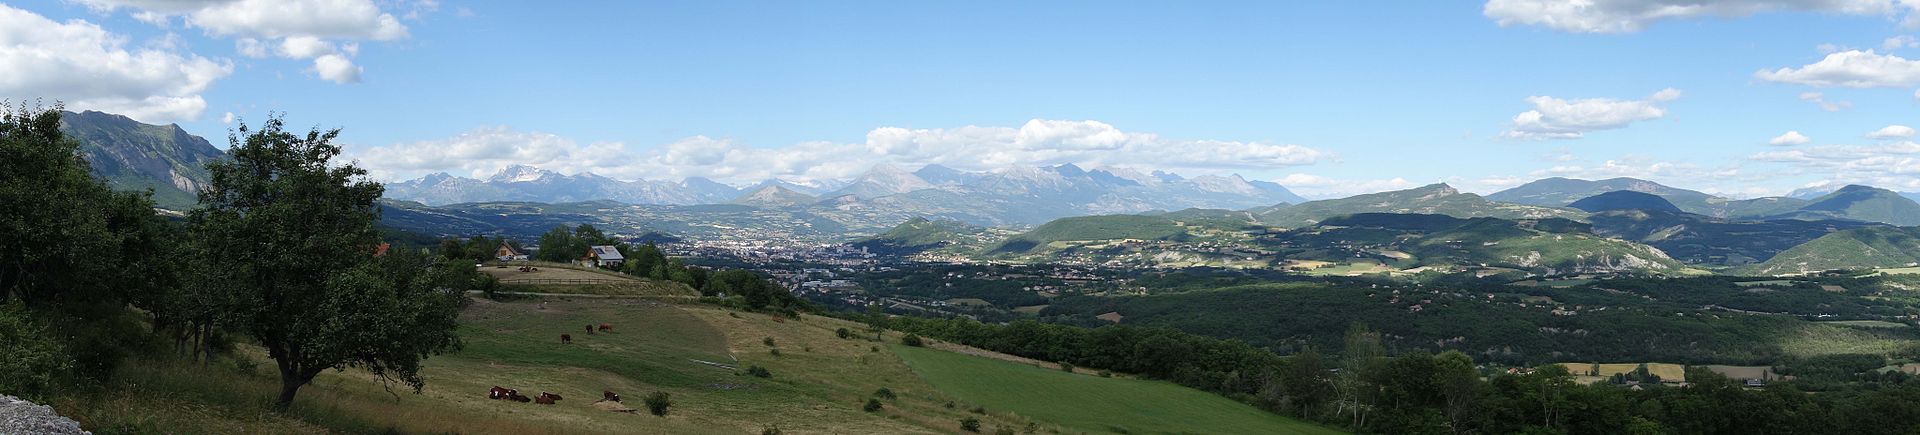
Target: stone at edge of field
[{"x": 21, "y": 416}]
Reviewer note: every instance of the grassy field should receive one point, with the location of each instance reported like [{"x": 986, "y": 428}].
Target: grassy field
[
  {"x": 567, "y": 278},
  {"x": 1090, "y": 404},
  {"x": 818, "y": 382},
  {"x": 1666, "y": 372},
  {"x": 1828, "y": 339}
]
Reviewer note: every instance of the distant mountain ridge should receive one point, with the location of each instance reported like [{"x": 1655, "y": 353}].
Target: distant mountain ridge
[
  {"x": 1624, "y": 200},
  {"x": 131, "y": 155},
  {"x": 1861, "y": 203},
  {"x": 1431, "y": 199}
]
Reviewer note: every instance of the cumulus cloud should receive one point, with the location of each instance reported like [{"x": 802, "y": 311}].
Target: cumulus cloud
[
  {"x": 1789, "y": 139},
  {"x": 1555, "y": 118},
  {"x": 1626, "y": 16},
  {"x": 1892, "y": 132},
  {"x": 1819, "y": 99},
  {"x": 322, "y": 31},
  {"x": 1899, "y": 42},
  {"x": 90, "y": 68},
  {"x": 1037, "y": 142},
  {"x": 1892, "y": 165},
  {"x": 1850, "y": 69}
]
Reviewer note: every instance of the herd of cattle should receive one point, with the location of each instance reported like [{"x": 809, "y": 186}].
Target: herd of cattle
[{"x": 546, "y": 398}]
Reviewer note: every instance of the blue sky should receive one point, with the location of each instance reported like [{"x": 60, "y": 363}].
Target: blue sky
[{"x": 1330, "y": 98}]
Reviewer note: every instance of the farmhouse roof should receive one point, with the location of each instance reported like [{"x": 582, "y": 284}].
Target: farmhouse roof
[{"x": 606, "y": 252}]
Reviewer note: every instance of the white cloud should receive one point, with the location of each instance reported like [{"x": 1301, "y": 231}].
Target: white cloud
[
  {"x": 1626, "y": 16},
  {"x": 90, "y": 68},
  {"x": 1555, "y": 118},
  {"x": 1899, "y": 42},
  {"x": 1789, "y": 139},
  {"x": 305, "y": 29},
  {"x": 337, "y": 68},
  {"x": 1819, "y": 99},
  {"x": 227, "y": 118},
  {"x": 1891, "y": 165},
  {"x": 1850, "y": 69},
  {"x": 1037, "y": 142},
  {"x": 1892, "y": 132}
]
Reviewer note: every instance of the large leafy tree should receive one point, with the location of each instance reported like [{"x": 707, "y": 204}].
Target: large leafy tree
[{"x": 292, "y": 233}]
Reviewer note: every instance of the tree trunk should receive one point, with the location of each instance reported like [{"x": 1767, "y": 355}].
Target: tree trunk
[{"x": 289, "y": 384}]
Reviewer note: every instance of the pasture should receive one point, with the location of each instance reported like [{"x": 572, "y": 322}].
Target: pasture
[
  {"x": 1085, "y": 403},
  {"x": 567, "y": 278},
  {"x": 698, "y": 354}
]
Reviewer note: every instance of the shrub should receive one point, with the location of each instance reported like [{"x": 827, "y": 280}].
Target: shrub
[
  {"x": 767, "y": 341},
  {"x": 875, "y": 349},
  {"x": 912, "y": 340},
  {"x": 658, "y": 402},
  {"x": 771, "y": 430},
  {"x": 970, "y": 424},
  {"x": 949, "y": 404},
  {"x": 872, "y": 405},
  {"x": 1066, "y": 367},
  {"x": 843, "y": 333},
  {"x": 1106, "y": 374},
  {"x": 982, "y": 410},
  {"x": 30, "y": 360},
  {"x": 774, "y": 351},
  {"x": 1003, "y": 430},
  {"x": 759, "y": 372},
  {"x": 884, "y": 393}
]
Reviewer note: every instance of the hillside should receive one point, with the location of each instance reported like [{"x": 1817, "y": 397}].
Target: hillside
[
  {"x": 1862, "y": 203},
  {"x": 131, "y": 155},
  {"x": 1705, "y": 240},
  {"x": 1624, "y": 200},
  {"x": 922, "y": 234},
  {"x": 774, "y": 196},
  {"x": 1860, "y": 248},
  {"x": 1560, "y": 192},
  {"x": 1538, "y": 246},
  {"x": 1110, "y": 227},
  {"x": 1432, "y": 199}
]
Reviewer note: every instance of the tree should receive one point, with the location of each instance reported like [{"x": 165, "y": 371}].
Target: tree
[
  {"x": 1359, "y": 362},
  {"x": 293, "y": 232},
  {"x": 557, "y": 246}
]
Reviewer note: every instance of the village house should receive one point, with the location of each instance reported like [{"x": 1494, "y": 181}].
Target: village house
[
  {"x": 603, "y": 256},
  {"x": 506, "y": 253}
]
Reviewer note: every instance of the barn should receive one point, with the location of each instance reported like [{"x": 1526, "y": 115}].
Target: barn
[{"x": 506, "y": 253}]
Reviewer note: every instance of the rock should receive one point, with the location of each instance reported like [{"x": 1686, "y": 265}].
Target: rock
[{"x": 23, "y": 417}]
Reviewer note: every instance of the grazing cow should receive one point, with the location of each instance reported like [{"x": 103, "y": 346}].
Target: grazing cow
[
  {"x": 609, "y": 396},
  {"x": 566, "y": 339},
  {"x": 546, "y": 398},
  {"x": 497, "y": 393},
  {"x": 606, "y": 327},
  {"x": 589, "y": 329}
]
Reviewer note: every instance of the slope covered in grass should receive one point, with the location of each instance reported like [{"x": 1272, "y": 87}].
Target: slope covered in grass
[{"x": 1081, "y": 402}]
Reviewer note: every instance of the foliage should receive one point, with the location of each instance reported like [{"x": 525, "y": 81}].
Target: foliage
[
  {"x": 970, "y": 424},
  {"x": 658, "y": 402},
  {"x": 759, "y": 372},
  {"x": 912, "y": 340},
  {"x": 30, "y": 360},
  {"x": 872, "y": 405},
  {"x": 884, "y": 393},
  {"x": 757, "y": 291},
  {"x": 293, "y": 233}
]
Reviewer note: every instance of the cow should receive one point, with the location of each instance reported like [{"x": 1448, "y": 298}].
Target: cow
[
  {"x": 546, "y": 398},
  {"x": 609, "y": 396},
  {"x": 497, "y": 393},
  {"x": 589, "y": 329},
  {"x": 514, "y": 395},
  {"x": 566, "y": 339},
  {"x": 606, "y": 327}
]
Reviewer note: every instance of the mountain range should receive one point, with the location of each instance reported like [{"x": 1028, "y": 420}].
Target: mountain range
[{"x": 131, "y": 155}]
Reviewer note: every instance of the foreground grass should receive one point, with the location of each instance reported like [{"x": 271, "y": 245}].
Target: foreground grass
[{"x": 1084, "y": 403}]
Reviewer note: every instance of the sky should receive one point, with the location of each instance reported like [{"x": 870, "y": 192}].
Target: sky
[{"x": 1741, "y": 98}]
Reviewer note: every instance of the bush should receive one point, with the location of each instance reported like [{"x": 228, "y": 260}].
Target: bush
[
  {"x": 767, "y": 341},
  {"x": 970, "y": 424},
  {"x": 872, "y": 405},
  {"x": 1106, "y": 374},
  {"x": 759, "y": 372},
  {"x": 774, "y": 351},
  {"x": 1066, "y": 367},
  {"x": 771, "y": 430},
  {"x": 912, "y": 340},
  {"x": 30, "y": 360},
  {"x": 982, "y": 410},
  {"x": 843, "y": 333},
  {"x": 884, "y": 393},
  {"x": 1003, "y": 430},
  {"x": 658, "y": 402}
]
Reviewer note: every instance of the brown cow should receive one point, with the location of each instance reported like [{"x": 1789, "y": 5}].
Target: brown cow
[
  {"x": 546, "y": 398},
  {"x": 514, "y": 395},
  {"x": 609, "y": 396},
  {"x": 606, "y": 327},
  {"x": 589, "y": 329},
  {"x": 566, "y": 339},
  {"x": 497, "y": 393}
]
